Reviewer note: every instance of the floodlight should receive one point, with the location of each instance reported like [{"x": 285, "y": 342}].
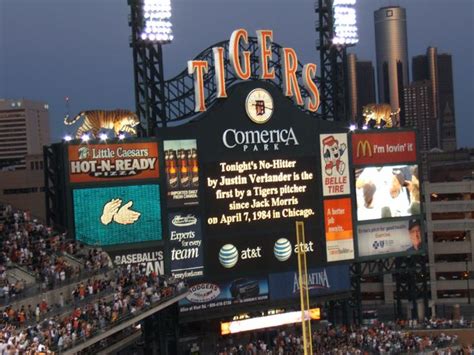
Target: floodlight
[
  {"x": 121, "y": 136},
  {"x": 85, "y": 137},
  {"x": 352, "y": 127},
  {"x": 345, "y": 22},
  {"x": 103, "y": 136},
  {"x": 156, "y": 21},
  {"x": 67, "y": 138},
  {"x": 365, "y": 127}
]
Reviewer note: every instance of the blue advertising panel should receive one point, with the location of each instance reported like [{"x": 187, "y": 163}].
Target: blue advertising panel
[
  {"x": 185, "y": 245},
  {"x": 208, "y": 295},
  {"x": 322, "y": 281},
  {"x": 117, "y": 215}
]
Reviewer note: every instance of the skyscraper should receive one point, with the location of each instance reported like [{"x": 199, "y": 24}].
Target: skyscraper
[
  {"x": 24, "y": 129},
  {"x": 419, "y": 112},
  {"x": 392, "y": 55},
  {"x": 437, "y": 68},
  {"x": 361, "y": 85}
]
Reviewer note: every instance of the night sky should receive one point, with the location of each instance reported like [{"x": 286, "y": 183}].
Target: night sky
[{"x": 50, "y": 49}]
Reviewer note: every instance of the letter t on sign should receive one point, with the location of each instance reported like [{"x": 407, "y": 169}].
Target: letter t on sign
[{"x": 197, "y": 68}]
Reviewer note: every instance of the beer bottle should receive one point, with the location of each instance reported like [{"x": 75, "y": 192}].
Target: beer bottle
[
  {"x": 167, "y": 164},
  {"x": 172, "y": 170},
  {"x": 184, "y": 179},
  {"x": 194, "y": 168}
]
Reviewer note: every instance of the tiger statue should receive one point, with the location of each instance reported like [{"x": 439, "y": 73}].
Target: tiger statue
[
  {"x": 94, "y": 120},
  {"x": 379, "y": 113}
]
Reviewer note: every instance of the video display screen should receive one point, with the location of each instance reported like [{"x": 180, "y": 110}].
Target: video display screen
[
  {"x": 246, "y": 195},
  {"x": 117, "y": 215},
  {"x": 387, "y": 192},
  {"x": 385, "y": 239}
]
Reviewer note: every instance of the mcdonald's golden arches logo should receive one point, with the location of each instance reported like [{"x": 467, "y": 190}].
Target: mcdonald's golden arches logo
[{"x": 365, "y": 148}]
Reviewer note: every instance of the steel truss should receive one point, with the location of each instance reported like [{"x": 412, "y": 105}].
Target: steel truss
[
  {"x": 333, "y": 82},
  {"x": 160, "y": 101},
  {"x": 55, "y": 193},
  {"x": 161, "y": 332},
  {"x": 411, "y": 277}
]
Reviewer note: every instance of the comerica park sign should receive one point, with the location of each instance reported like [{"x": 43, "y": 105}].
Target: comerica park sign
[{"x": 240, "y": 63}]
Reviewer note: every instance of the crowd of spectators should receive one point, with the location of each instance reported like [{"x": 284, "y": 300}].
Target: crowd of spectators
[
  {"x": 437, "y": 323},
  {"x": 41, "y": 251},
  {"x": 376, "y": 339},
  {"x": 132, "y": 290}
]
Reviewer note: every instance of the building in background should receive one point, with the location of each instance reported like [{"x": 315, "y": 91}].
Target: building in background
[
  {"x": 24, "y": 188},
  {"x": 391, "y": 51},
  {"x": 361, "y": 85},
  {"x": 448, "y": 193},
  {"x": 419, "y": 113},
  {"x": 438, "y": 69},
  {"x": 449, "y": 206},
  {"x": 24, "y": 129}
]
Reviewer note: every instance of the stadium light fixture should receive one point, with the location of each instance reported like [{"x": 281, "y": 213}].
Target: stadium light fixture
[
  {"x": 345, "y": 22},
  {"x": 157, "y": 26}
]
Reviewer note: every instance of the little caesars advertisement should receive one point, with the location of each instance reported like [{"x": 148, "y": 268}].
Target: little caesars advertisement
[
  {"x": 112, "y": 162},
  {"x": 186, "y": 245}
]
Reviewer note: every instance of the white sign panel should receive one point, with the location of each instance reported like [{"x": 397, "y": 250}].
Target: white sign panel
[{"x": 335, "y": 164}]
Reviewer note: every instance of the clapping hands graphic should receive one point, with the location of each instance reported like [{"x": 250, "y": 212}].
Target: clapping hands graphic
[{"x": 120, "y": 215}]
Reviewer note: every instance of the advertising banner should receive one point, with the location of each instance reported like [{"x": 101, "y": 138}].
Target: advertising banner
[
  {"x": 338, "y": 227},
  {"x": 182, "y": 172},
  {"x": 267, "y": 252},
  {"x": 185, "y": 242},
  {"x": 381, "y": 239},
  {"x": 387, "y": 191},
  {"x": 335, "y": 164},
  {"x": 321, "y": 281},
  {"x": 151, "y": 257},
  {"x": 117, "y": 215},
  {"x": 112, "y": 162},
  {"x": 383, "y": 148},
  {"x": 209, "y": 295}
]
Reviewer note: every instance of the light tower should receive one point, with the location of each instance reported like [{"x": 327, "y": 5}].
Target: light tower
[
  {"x": 337, "y": 27},
  {"x": 151, "y": 28}
]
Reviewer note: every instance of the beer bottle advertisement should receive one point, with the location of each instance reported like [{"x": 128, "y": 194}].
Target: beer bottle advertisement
[{"x": 182, "y": 170}]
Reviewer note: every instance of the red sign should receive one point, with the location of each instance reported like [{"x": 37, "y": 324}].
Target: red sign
[
  {"x": 383, "y": 147},
  {"x": 113, "y": 162}
]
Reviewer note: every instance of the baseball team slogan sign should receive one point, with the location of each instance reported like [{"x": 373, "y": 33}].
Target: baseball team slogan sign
[{"x": 335, "y": 164}]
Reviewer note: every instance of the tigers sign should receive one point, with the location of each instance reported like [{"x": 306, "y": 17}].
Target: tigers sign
[
  {"x": 241, "y": 65},
  {"x": 383, "y": 147},
  {"x": 112, "y": 162}
]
